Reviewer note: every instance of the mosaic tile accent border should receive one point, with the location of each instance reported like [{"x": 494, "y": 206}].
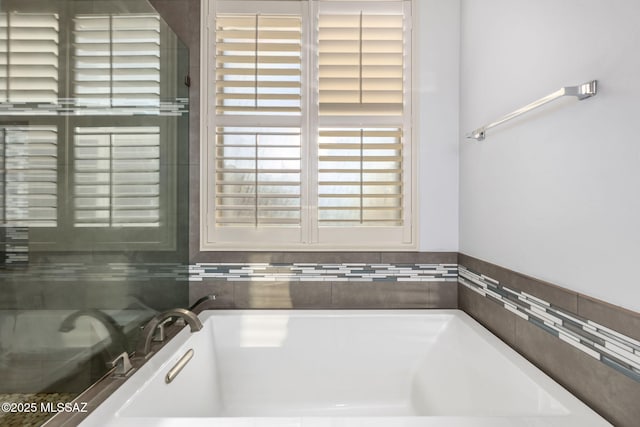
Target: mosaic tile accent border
[
  {"x": 110, "y": 272},
  {"x": 238, "y": 272},
  {"x": 312, "y": 272},
  {"x": 72, "y": 107},
  {"x": 612, "y": 348},
  {"x": 16, "y": 246}
]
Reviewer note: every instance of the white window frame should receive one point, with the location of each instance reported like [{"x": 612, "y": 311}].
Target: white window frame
[{"x": 311, "y": 237}]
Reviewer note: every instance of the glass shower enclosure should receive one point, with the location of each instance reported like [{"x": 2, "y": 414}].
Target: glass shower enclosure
[{"x": 93, "y": 190}]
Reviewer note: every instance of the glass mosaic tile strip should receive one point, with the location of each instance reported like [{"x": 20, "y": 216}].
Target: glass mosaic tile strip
[
  {"x": 612, "y": 348},
  {"x": 16, "y": 247},
  {"x": 86, "y": 272},
  {"x": 325, "y": 272},
  {"x": 71, "y": 107}
]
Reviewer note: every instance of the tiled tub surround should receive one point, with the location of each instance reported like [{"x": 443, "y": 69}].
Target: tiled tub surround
[
  {"x": 421, "y": 280},
  {"x": 606, "y": 345},
  {"x": 588, "y": 346},
  {"x": 363, "y": 280}
]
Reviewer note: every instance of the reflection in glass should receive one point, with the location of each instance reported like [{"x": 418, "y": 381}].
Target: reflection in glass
[
  {"x": 29, "y": 56},
  {"x": 117, "y": 59},
  {"x": 29, "y": 188},
  {"x": 93, "y": 175},
  {"x": 117, "y": 176}
]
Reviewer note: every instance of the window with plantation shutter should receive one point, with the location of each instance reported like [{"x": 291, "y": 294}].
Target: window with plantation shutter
[
  {"x": 116, "y": 60},
  {"x": 362, "y": 73},
  {"x": 309, "y": 131},
  {"x": 258, "y": 107},
  {"x": 28, "y": 57},
  {"x": 28, "y": 166}
]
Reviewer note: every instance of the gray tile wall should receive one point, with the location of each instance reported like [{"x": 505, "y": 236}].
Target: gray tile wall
[
  {"x": 417, "y": 287},
  {"x": 611, "y": 393},
  {"x": 319, "y": 295}
]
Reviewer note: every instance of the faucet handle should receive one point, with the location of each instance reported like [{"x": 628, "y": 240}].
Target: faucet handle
[
  {"x": 160, "y": 334},
  {"x": 122, "y": 364}
]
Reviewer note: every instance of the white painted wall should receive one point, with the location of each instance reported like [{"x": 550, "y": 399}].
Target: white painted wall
[
  {"x": 555, "y": 195},
  {"x": 436, "y": 38}
]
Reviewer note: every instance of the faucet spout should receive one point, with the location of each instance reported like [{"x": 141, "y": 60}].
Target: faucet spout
[
  {"x": 144, "y": 345},
  {"x": 202, "y": 303}
]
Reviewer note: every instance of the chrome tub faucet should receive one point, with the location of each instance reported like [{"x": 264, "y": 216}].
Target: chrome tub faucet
[{"x": 148, "y": 333}]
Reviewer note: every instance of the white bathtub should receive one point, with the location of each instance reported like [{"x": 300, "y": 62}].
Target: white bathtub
[{"x": 341, "y": 369}]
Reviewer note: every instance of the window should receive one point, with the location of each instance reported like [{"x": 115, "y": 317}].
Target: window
[
  {"x": 308, "y": 134},
  {"x": 258, "y": 142}
]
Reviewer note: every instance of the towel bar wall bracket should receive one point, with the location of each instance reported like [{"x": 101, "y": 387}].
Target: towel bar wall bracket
[{"x": 583, "y": 91}]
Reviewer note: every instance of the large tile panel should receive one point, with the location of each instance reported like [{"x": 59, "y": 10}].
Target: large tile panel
[
  {"x": 607, "y": 391},
  {"x": 380, "y": 295}
]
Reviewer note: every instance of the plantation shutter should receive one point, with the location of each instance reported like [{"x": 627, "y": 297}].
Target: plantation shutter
[
  {"x": 309, "y": 125},
  {"x": 117, "y": 176},
  {"x": 117, "y": 60},
  {"x": 28, "y": 57},
  {"x": 258, "y": 168},
  {"x": 362, "y": 75},
  {"x": 258, "y": 176},
  {"x": 258, "y": 64},
  {"x": 361, "y": 63},
  {"x": 28, "y": 165},
  {"x": 360, "y": 177}
]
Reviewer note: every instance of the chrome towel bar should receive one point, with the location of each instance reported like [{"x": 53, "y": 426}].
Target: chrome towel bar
[{"x": 583, "y": 91}]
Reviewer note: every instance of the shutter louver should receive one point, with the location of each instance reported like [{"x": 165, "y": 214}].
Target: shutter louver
[
  {"x": 258, "y": 176},
  {"x": 360, "y": 177},
  {"x": 117, "y": 176},
  {"x": 29, "y": 162},
  {"x": 258, "y": 64},
  {"x": 361, "y": 64},
  {"x": 117, "y": 60},
  {"x": 28, "y": 57}
]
